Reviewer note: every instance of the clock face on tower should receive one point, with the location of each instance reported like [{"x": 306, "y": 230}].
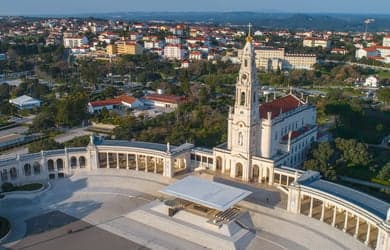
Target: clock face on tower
[{"x": 244, "y": 78}]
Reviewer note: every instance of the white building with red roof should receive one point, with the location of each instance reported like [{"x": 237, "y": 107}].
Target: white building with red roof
[
  {"x": 110, "y": 104},
  {"x": 164, "y": 101},
  {"x": 262, "y": 137}
]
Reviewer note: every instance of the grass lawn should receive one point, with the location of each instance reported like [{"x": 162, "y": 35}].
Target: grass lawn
[
  {"x": 4, "y": 227},
  {"x": 384, "y": 74},
  {"x": 28, "y": 187}
]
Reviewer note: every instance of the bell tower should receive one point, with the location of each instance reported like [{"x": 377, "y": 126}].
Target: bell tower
[{"x": 244, "y": 119}]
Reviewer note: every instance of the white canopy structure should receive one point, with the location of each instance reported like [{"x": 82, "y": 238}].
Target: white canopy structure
[
  {"x": 206, "y": 193},
  {"x": 25, "y": 102}
]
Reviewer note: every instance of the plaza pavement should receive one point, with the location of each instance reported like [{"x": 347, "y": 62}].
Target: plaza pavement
[{"x": 99, "y": 202}]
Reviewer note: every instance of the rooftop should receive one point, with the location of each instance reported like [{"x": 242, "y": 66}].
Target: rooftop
[
  {"x": 135, "y": 144},
  {"x": 24, "y": 100},
  {"x": 279, "y": 106},
  {"x": 207, "y": 193},
  {"x": 365, "y": 201},
  {"x": 165, "y": 98}
]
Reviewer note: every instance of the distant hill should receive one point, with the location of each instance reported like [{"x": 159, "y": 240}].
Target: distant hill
[{"x": 337, "y": 22}]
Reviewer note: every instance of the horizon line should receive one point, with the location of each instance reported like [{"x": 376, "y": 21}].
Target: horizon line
[{"x": 194, "y": 11}]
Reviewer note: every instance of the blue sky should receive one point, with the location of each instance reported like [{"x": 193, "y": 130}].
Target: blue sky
[{"x": 34, "y": 7}]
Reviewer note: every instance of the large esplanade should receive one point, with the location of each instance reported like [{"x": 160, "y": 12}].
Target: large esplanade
[{"x": 266, "y": 142}]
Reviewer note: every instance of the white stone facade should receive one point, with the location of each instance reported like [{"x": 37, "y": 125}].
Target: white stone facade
[{"x": 262, "y": 137}]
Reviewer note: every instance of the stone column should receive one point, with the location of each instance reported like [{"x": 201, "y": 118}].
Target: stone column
[
  {"x": 136, "y": 162},
  {"x": 334, "y": 216},
  {"x": 108, "y": 160},
  {"x": 155, "y": 165},
  {"x": 246, "y": 171},
  {"x": 294, "y": 200},
  {"x": 260, "y": 174},
  {"x": 322, "y": 211},
  {"x": 311, "y": 207},
  {"x": 127, "y": 161},
  {"x": 117, "y": 160},
  {"x": 368, "y": 234},
  {"x": 357, "y": 227},
  {"x": 383, "y": 239},
  {"x": 345, "y": 222},
  {"x": 146, "y": 163},
  {"x": 168, "y": 167},
  {"x": 271, "y": 176},
  {"x": 233, "y": 171}
]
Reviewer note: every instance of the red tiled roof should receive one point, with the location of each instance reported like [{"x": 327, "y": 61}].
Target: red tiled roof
[
  {"x": 296, "y": 133},
  {"x": 166, "y": 98},
  {"x": 278, "y": 106},
  {"x": 126, "y": 99},
  {"x": 376, "y": 57},
  {"x": 115, "y": 101},
  {"x": 383, "y": 47},
  {"x": 105, "y": 102},
  {"x": 370, "y": 49}
]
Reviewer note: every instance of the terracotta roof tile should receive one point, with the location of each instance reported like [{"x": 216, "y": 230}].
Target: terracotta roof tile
[
  {"x": 278, "y": 106},
  {"x": 166, "y": 98},
  {"x": 105, "y": 102}
]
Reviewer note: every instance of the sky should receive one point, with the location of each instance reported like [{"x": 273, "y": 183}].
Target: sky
[{"x": 58, "y": 7}]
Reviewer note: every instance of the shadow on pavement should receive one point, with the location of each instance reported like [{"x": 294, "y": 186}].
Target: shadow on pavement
[{"x": 261, "y": 196}]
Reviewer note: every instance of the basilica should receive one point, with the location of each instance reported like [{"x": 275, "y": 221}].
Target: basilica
[
  {"x": 267, "y": 135},
  {"x": 267, "y": 143}
]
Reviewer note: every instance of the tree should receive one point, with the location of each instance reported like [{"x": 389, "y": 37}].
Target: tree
[
  {"x": 46, "y": 144},
  {"x": 384, "y": 95},
  {"x": 72, "y": 110},
  {"x": 322, "y": 160},
  {"x": 43, "y": 121},
  {"x": 384, "y": 173},
  {"x": 353, "y": 153},
  {"x": 4, "y": 91}
]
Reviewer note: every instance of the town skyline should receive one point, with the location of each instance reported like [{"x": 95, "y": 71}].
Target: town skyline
[{"x": 45, "y": 7}]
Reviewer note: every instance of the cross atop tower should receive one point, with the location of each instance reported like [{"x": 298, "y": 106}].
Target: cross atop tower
[
  {"x": 249, "y": 28},
  {"x": 249, "y": 37}
]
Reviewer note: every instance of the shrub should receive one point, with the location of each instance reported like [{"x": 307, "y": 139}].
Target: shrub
[{"x": 7, "y": 187}]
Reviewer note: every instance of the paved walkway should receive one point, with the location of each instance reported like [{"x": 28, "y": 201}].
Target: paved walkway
[{"x": 103, "y": 201}]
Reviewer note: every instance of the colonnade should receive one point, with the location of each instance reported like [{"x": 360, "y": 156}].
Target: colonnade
[
  {"x": 339, "y": 217},
  {"x": 139, "y": 162}
]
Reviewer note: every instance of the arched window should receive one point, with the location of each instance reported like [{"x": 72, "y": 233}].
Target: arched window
[
  {"x": 73, "y": 162},
  {"x": 60, "y": 164},
  {"x": 242, "y": 98},
  {"x": 82, "y": 162},
  {"x": 4, "y": 175},
  {"x": 37, "y": 168},
  {"x": 50, "y": 165},
  {"x": 246, "y": 63},
  {"x": 13, "y": 173},
  {"x": 240, "y": 139},
  {"x": 27, "y": 169}
]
